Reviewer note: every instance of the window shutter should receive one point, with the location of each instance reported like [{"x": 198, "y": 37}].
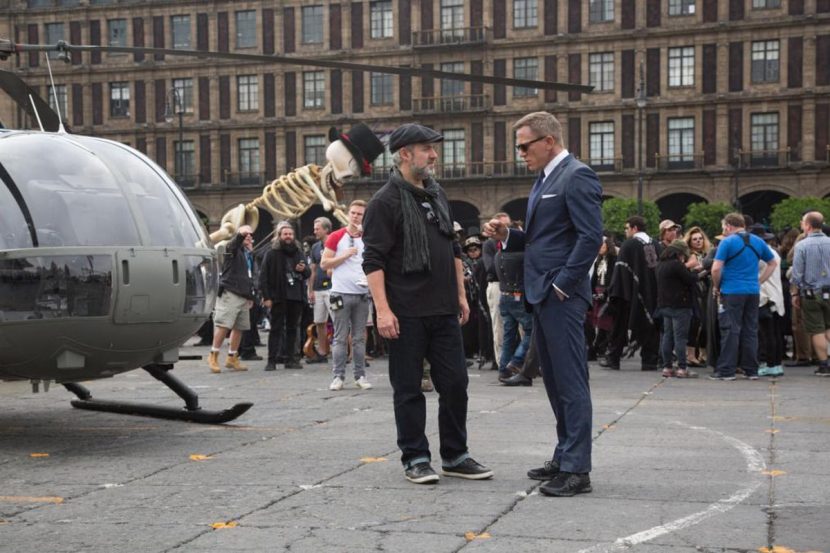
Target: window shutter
[
  {"x": 550, "y": 75},
  {"x": 357, "y": 25},
  {"x": 499, "y": 19},
  {"x": 822, "y": 6},
  {"x": 335, "y": 27},
  {"x": 794, "y": 131},
  {"x": 710, "y": 68},
  {"x": 427, "y": 83},
  {"x": 75, "y": 38},
  {"x": 476, "y": 14},
  {"x": 222, "y": 32},
  {"x": 161, "y": 99},
  {"x": 710, "y": 137},
  {"x": 653, "y": 13},
  {"x": 34, "y": 57},
  {"x": 267, "y": 31},
  {"x": 224, "y": 157},
  {"x": 795, "y": 53},
  {"x": 574, "y": 16},
  {"x": 629, "y": 139},
  {"x": 138, "y": 37},
  {"x": 95, "y": 39},
  {"x": 551, "y": 17},
  {"x": 653, "y": 72},
  {"x": 290, "y": 94},
  {"x": 476, "y": 68},
  {"x": 141, "y": 144},
  {"x": 736, "y": 10},
  {"x": 735, "y": 134},
  {"x": 710, "y": 11},
  {"x": 405, "y": 21},
  {"x": 357, "y": 91},
  {"x": 575, "y": 136},
  {"x": 224, "y": 97},
  {"x": 405, "y": 92},
  {"x": 499, "y": 140},
  {"x": 822, "y": 131},
  {"x": 288, "y": 30},
  {"x": 270, "y": 95},
  {"x": 77, "y": 105},
  {"x": 426, "y": 15},
  {"x": 158, "y": 35},
  {"x": 628, "y": 19},
  {"x": 161, "y": 152},
  {"x": 202, "y": 32},
  {"x": 574, "y": 75},
  {"x": 140, "y": 102},
  {"x": 205, "y": 175},
  {"x": 796, "y": 7},
  {"x": 290, "y": 150},
  {"x": 499, "y": 90},
  {"x": 652, "y": 138},
  {"x": 336, "y": 91},
  {"x": 823, "y": 60},
  {"x": 627, "y": 73},
  {"x": 204, "y": 98},
  {"x": 477, "y": 139},
  {"x": 270, "y": 156},
  {"x": 736, "y": 66}
]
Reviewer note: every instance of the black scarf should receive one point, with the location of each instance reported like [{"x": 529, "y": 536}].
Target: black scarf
[{"x": 415, "y": 244}]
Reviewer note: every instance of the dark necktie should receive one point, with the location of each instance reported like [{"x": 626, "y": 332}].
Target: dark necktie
[{"x": 535, "y": 192}]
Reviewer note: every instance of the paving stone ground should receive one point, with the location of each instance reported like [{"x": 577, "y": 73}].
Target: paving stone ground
[{"x": 680, "y": 466}]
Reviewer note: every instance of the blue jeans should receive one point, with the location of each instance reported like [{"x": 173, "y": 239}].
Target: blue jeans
[
  {"x": 738, "y": 320},
  {"x": 513, "y": 315},
  {"x": 676, "y": 322}
]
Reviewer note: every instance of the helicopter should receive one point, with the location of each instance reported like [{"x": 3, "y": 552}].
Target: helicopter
[{"x": 104, "y": 265}]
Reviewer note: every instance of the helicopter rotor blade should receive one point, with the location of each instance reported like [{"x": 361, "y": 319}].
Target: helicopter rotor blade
[
  {"x": 20, "y": 92},
  {"x": 62, "y": 46}
]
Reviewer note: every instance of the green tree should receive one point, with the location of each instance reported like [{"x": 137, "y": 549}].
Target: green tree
[
  {"x": 787, "y": 212},
  {"x": 706, "y": 216},
  {"x": 616, "y": 210}
]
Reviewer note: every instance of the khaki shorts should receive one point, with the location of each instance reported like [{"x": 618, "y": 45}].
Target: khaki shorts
[
  {"x": 322, "y": 310},
  {"x": 816, "y": 314},
  {"x": 232, "y": 311}
]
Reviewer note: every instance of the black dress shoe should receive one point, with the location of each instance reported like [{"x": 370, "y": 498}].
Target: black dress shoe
[
  {"x": 517, "y": 380},
  {"x": 251, "y": 357},
  {"x": 547, "y": 472},
  {"x": 567, "y": 484},
  {"x": 798, "y": 363},
  {"x": 609, "y": 363}
]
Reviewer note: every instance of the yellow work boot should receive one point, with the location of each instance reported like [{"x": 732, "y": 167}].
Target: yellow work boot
[
  {"x": 213, "y": 362},
  {"x": 233, "y": 363}
]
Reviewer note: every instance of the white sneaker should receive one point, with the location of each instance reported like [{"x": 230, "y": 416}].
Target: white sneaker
[
  {"x": 362, "y": 383},
  {"x": 336, "y": 384}
]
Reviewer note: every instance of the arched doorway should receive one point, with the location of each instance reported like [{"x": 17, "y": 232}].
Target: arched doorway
[
  {"x": 759, "y": 204},
  {"x": 467, "y": 215},
  {"x": 517, "y": 209},
  {"x": 674, "y": 206}
]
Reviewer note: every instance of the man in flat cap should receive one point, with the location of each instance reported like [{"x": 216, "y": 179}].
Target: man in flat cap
[{"x": 413, "y": 266}]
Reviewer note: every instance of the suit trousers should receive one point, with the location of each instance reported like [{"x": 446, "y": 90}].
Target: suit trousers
[
  {"x": 560, "y": 339},
  {"x": 438, "y": 340}
]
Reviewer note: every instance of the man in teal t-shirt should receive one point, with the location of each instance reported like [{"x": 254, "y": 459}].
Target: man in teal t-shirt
[{"x": 737, "y": 285}]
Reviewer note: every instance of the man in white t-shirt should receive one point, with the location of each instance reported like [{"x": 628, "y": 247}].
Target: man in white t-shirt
[{"x": 349, "y": 297}]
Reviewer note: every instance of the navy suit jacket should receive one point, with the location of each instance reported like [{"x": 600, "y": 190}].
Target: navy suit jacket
[{"x": 563, "y": 233}]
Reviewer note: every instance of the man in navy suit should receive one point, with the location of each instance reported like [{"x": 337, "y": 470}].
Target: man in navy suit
[{"x": 563, "y": 232}]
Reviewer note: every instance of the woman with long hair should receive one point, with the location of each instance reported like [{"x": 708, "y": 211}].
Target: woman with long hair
[
  {"x": 598, "y": 323},
  {"x": 699, "y": 245}
]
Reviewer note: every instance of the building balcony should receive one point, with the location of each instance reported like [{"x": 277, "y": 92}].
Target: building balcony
[
  {"x": 679, "y": 162},
  {"x": 240, "y": 180},
  {"x": 605, "y": 165},
  {"x": 450, "y": 37},
  {"x": 190, "y": 182},
  {"x": 451, "y": 104},
  {"x": 763, "y": 159}
]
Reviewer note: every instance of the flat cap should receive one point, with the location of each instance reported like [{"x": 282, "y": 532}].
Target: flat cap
[{"x": 412, "y": 133}]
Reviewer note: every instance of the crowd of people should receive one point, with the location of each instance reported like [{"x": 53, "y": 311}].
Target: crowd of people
[{"x": 539, "y": 297}]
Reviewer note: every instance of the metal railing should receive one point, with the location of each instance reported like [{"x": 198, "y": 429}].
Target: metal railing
[
  {"x": 190, "y": 181},
  {"x": 447, "y": 37},
  {"x": 760, "y": 159},
  {"x": 244, "y": 179},
  {"x": 678, "y": 162},
  {"x": 606, "y": 164},
  {"x": 465, "y": 170},
  {"x": 451, "y": 104}
]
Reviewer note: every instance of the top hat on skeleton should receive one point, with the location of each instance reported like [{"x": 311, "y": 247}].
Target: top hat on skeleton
[{"x": 363, "y": 144}]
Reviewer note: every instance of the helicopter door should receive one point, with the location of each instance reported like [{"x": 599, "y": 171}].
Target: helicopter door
[{"x": 149, "y": 287}]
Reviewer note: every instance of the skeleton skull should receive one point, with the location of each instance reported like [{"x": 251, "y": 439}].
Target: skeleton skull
[{"x": 341, "y": 166}]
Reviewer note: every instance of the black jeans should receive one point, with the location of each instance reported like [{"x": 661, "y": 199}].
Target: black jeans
[
  {"x": 285, "y": 316},
  {"x": 438, "y": 340}
]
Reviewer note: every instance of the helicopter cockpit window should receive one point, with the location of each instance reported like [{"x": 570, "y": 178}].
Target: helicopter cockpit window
[
  {"x": 168, "y": 221},
  {"x": 73, "y": 197},
  {"x": 14, "y": 232}
]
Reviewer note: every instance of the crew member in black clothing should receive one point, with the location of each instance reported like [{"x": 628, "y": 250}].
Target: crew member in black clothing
[
  {"x": 413, "y": 266},
  {"x": 675, "y": 293}
]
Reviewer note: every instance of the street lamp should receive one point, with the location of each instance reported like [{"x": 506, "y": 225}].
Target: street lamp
[
  {"x": 641, "y": 106},
  {"x": 175, "y": 104}
]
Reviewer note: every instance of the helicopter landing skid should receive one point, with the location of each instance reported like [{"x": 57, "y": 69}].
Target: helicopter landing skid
[{"x": 191, "y": 412}]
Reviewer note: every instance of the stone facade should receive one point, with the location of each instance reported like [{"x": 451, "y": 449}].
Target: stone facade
[{"x": 736, "y": 97}]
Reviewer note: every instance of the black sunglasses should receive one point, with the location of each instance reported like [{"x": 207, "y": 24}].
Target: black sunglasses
[{"x": 523, "y": 147}]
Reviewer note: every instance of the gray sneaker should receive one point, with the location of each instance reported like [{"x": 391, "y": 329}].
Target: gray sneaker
[
  {"x": 469, "y": 469},
  {"x": 421, "y": 473}
]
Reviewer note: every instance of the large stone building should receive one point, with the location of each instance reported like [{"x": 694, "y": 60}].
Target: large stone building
[{"x": 715, "y": 100}]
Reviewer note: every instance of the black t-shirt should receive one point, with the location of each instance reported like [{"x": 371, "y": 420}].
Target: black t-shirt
[{"x": 423, "y": 294}]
